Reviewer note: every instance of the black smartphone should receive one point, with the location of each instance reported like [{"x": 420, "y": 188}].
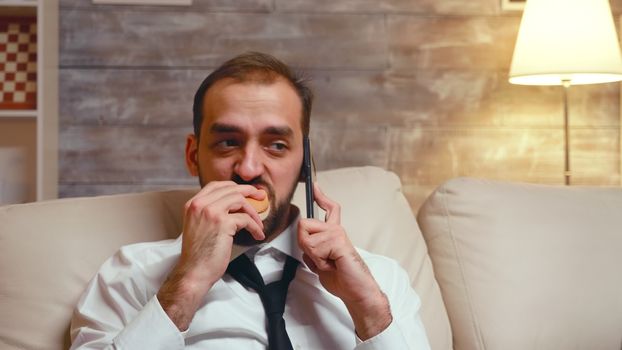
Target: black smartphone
[{"x": 307, "y": 171}]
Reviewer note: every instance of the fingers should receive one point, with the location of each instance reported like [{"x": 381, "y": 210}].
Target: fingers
[
  {"x": 332, "y": 208},
  {"x": 257, "y": 193},
  {"x": 221, "y": 207},
  {"x": 322, "y": 243},
  {"x": 243, "y": 221},
  {"x": 224, "y": 197},
  {"x": 235, "y": 201},
  {"x": 218, "y": 189}
]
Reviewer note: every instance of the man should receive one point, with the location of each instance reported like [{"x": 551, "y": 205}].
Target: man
[{"x": 250, "y": 116}]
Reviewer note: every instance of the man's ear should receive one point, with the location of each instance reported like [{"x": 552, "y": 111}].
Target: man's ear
[{"x": 192, "y": 154}]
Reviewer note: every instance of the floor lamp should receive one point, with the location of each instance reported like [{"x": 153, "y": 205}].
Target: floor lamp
[{"x": 566, "y": 42}]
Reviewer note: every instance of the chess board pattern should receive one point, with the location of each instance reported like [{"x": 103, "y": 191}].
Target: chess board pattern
[{"x": 18, "y": 63}]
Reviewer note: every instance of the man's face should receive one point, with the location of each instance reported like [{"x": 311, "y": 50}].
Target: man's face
[{"x": 251, "y": 134}]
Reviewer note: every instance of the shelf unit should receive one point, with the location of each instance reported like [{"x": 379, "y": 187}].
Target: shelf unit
[
  {"x": 16, "y": 113},
  {"x": 29, "y": 138}
]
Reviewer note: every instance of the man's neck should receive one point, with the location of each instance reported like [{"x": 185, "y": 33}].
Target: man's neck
[{"x": 292, "y": 214}]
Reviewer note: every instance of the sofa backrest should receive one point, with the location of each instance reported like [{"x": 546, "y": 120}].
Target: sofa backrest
[
  {"x": 49, "y": 250},
  {"x": 524, "y": 266}
]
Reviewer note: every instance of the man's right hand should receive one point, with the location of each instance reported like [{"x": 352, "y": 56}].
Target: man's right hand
[{"x": 211, "y": 219}]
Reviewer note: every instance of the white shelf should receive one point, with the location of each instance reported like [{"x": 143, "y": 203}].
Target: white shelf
[
  {"x": 19, "y": 8},
  {"x": 39, "y": 125},
  {"x": 15, "y": 113},
  {"x": 143, "y": 2},
  {"x": 18, "y": 3}
]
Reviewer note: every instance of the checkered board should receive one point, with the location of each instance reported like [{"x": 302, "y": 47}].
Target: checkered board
[{"x": 18, "y": 63}]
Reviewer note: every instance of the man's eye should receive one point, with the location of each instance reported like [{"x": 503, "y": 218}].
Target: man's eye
[
  {"x": 226, "y": 143},
  {"x": 277, "y": 146}
]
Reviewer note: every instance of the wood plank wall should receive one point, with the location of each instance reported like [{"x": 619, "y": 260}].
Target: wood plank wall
[{"x": 415, "y": 86}]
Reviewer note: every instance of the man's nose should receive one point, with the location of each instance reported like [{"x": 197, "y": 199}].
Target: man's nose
[{"x": 250, "y": 165}]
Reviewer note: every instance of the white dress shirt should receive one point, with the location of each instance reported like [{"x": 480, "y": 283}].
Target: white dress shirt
[{"x": 120, "y": 310}]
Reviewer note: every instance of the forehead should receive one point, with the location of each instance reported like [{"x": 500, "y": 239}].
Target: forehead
[{"x": 252, "y": 104}]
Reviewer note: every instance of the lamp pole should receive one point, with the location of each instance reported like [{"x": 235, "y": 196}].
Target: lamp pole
[{"x": 567, "y": 174}]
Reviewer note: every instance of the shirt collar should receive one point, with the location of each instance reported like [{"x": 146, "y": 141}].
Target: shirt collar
[{"x": 286, "y": 242}]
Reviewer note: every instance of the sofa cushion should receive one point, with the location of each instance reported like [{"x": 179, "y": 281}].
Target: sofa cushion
[
  {"x": 525, "y": 266},
  {"x": 49, "y": 250}
]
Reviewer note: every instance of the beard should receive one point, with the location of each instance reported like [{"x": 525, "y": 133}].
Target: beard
[{"x": 278, "y": 218}]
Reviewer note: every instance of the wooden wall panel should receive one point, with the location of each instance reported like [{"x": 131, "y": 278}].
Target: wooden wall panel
[
  {"x": 426, "y": 98},
  {"x": 123, "y": 154},
  {"x": 197, "y": 5},
  {"x": 452, "y": 42},
  {"x": 535, "y": 155},
  {"x": 595, "y": 157},
  {"x": 335, "y": 145},
  {"x": 433, "y": 98},
  {"x": 418, "y": 87},
  {"x": 100, "y": 189},
  {"x": 204, "y": 39},
  {"x": 128, "y": 97},
  {"x": 429, "y": 155},
  {"x": 594, "y": 105},
  {"x": 447, "y": 7}
]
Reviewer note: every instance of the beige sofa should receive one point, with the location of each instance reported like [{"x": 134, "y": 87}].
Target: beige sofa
[{"x": 515, "y": 266}]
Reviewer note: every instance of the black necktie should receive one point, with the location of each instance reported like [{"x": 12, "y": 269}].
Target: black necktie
[{"x": 272, "y": 296}]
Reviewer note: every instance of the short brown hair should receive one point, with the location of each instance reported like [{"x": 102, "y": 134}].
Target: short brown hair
[{"x": 255, "y": 66}]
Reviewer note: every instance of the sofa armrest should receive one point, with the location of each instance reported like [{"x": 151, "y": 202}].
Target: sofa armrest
[{"x": 524, "y": 266}]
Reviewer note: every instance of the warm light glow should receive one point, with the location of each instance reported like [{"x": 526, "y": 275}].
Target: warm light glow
[{"x": 566, "y": 40}]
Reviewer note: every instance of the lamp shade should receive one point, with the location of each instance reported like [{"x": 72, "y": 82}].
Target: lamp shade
[{"x": 566, "y": 41}]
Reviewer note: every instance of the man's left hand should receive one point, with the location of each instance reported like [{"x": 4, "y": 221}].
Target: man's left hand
[{"x": 329, "y": 253}]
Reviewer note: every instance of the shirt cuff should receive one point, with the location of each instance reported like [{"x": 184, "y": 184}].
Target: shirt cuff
[
  {"x": 390, "y": 338},
  {"x": 150, "y": 329}
]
